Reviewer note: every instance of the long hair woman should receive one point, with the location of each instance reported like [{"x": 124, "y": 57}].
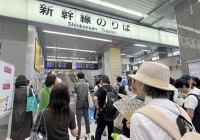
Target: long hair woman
[
  {"x": 45, "y": 92},
  {"x": 58, "y": 116},
  {"x": 21, "y": 120}
]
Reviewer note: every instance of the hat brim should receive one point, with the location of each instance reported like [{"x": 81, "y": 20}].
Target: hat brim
[{"x": 149, "y": 82}]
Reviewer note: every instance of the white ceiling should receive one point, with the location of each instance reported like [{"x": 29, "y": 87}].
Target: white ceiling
[{"x": 161, "y": 15}]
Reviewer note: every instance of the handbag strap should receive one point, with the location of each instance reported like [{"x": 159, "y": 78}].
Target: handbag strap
[
  {"x": 39, "y": 121},
  {"x": 161, "y": 120},
  {"x": 27, "y": 91},
  {"x": 45, "y": 127}
]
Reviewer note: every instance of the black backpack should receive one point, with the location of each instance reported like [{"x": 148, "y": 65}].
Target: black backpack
[{"x": 108, "y": 109}]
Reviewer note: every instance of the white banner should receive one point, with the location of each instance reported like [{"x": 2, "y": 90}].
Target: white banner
[{"x": 6, "y": 87}]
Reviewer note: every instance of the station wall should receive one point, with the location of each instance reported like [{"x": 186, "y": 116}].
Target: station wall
[{"x": 13, "y": 39}]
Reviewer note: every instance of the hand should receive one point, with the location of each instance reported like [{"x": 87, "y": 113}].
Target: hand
[
  {"x": 97, "y": 112},
  {"x": 128, "y": 124}
]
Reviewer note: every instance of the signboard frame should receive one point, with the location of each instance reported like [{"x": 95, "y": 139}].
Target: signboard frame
[{"x": 194, "y": 62}]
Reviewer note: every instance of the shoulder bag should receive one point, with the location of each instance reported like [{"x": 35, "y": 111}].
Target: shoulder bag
[{"x": 36, "y": 135}]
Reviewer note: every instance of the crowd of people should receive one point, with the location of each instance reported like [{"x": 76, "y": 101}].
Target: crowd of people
[{"x": 171, "y": 107}]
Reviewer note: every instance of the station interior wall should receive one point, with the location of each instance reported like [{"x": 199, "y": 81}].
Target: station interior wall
[{"x": 18, "y": 48}]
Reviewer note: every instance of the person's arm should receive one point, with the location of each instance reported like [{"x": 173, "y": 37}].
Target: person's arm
[
  {"x": 190, "y": 104},
  {"x": 190, "y": 113},
  {"x": 96, "y": 102},
  {"x": 74, "y": 132},
  {"x": 73, "y": 127}
]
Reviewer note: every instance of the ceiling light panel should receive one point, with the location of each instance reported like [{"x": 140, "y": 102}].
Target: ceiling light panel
[
  {"x": 70, "y": 49},
  {"x": 74, "y": 35},
  {"x": 118, "y": 8},
  {"x": 140, "y": 45},
  {"x": 59, "y": 57}
]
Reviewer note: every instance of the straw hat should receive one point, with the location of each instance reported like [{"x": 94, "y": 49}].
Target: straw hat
[{"x": 154, "y": 74}]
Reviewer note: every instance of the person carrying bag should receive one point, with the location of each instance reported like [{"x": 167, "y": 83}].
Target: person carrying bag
[{"x": 177, "y": 131}]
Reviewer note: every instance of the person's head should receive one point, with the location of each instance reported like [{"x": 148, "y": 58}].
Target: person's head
[
  {"x": 119, "y": 79},
  {"x": 187, "y": 78},
  {"x": 182, "y": 85},
  {"x": 59, "y": 98},
  {"x": 196, "y": 82},
  {"x": 152, "y": 79},
  {"x": 80, "y": 75},
  {"x": 21, "y": 80},
  {"x": 50, "y": 80},
  {"x": 104, "y": 79}
]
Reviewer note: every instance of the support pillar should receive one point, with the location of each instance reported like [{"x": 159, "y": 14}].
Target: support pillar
[{"x": 112, "y": 64}]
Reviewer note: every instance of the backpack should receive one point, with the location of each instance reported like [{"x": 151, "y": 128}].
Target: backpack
[
  {"x": 168, "y": 125},
  {"x": 196, "y": 118},
  {"x": 108, "y": 109},
  {"x": 122, "y": 89}
]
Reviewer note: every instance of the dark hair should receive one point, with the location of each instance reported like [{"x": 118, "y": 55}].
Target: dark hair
[
  {"x": 59, "y": 99},
  {"x": 50, "y": 80},
  {"x": 156, "y": 93},
  {"x": 119, "y": 79},
  {"x": 179, "y": 83},
  {"x": 186, "y": 77},
  {"x": 105, "y": 79},
  {"x": 21, "y": 80},
  {"x": 97, "y": 82},
  {"x": 197, "y": 81},
  {"x": 171, "y": 81},
  {"x": 80, "y": 75}
]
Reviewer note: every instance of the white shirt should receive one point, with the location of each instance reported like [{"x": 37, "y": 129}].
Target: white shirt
[
  {"x": 142, "y": 128},
  {"x": 96, "y": 88},
  {"x": 191, "y": 101},
  {"x": 196, "y": 90}
]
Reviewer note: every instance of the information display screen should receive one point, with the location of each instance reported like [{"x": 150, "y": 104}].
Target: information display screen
[
  {"x": 58, "y": 65},
  {"x": 87, "y": 66},
  {"x": 50, "y": 65},
  {"x": 64, "y": 65}
]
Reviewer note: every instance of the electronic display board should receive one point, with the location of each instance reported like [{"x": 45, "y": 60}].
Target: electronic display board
[
  {"x": 50, "y": 65},
  {"x": 58, "y": 65},
  {"x": 87, "y": 66},
  {"x": 64, "y": 65}
]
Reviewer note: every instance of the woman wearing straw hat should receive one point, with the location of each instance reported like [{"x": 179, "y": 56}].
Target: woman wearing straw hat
[{"x": 152, "y": 80}]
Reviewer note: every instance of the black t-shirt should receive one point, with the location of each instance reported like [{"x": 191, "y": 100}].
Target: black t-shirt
[
  {"x": 101, "y": 94},
  {"x": 57, "y": 128}
]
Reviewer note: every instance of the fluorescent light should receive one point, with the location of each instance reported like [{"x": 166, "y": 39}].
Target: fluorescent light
[
  {"x": 76, "y": 58},
  {"x": 129, "y": 56},
  {"x": 74, "y": 35},
  {"x": 59, "y": 48},
  {"x": 119, "y": 8},
  {"x": 145, "y": 50},
  {"x": 122, "y": 54},
  {"x": 140, "y": 45}
]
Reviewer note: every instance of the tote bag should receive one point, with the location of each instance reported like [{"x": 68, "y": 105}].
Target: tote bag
[
  {"x": 38, "y": 135},
  {"x": 31, "y": 100}
]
